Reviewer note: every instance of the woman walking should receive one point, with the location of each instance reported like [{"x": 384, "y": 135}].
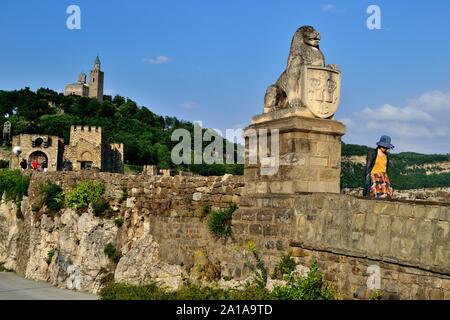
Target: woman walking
[{"x": 377, "y": 184}]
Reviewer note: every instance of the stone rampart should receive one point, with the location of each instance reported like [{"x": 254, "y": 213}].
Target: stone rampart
[{"x": 164, "y": 226}]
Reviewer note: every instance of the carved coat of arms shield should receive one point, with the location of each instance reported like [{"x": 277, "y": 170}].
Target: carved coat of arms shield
[{"x": 321, "y": 90}]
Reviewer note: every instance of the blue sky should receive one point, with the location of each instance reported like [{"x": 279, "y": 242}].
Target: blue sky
[{"x": 216, "y": 58}]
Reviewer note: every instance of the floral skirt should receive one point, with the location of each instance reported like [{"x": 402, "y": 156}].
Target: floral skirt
[{"x": 381, "y": 186}]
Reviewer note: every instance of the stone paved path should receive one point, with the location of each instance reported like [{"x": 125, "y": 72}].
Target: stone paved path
[{"x": 13, "y": 287}]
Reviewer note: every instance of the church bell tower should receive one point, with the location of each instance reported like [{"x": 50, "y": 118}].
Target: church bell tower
[{"x": 96, "y": 81}]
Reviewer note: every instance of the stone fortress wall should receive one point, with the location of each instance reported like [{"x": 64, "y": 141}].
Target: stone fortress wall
[
  {"x": 91, "y": 134},
  {"x": 87, "y": 144},
  {"x": 349, "y": 236},
  {"x": 51, "y": 148},
  {"x": 87, "y": 149}
]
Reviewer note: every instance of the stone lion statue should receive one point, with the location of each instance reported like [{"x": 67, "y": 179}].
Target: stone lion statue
[{"x": 305, "y": 51}]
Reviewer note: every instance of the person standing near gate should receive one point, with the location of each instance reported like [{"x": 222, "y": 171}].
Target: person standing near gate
[
  {"x": 24, "y": 164},
  {"x": 35, "y": 164}
]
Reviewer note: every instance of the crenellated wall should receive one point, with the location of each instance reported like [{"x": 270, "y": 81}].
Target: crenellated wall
[{"x": 164, "y": 227}]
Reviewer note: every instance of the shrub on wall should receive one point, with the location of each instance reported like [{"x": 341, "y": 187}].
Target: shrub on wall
[
  {"x": 112, "y": 253},
  {"x": 50, "y": 255},
  {"x": 3, "y": 269},
  {"x": 219, "y": 222},
  {"x": 118, "y": 222},
  {"x": 4, "y": 164},
  {"x": 152, "y": 291},
  {"x": 313, "y": 287},
  {"x": 206, "y": 209},
  {"x": 376, "y": 295},
  {"x": 52, "y": 196},
  {"x": 101, "y": 207},
  {"x": 258, "y": 268},
  {"x": 13, "y": 185},
  {"x": 285, "y": 267},
  {"x": 119, "y": 291},
  {"x": 85, "y": 193}
]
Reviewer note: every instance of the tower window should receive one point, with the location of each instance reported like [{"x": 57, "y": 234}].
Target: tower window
[{"x": 93, "y": 79}]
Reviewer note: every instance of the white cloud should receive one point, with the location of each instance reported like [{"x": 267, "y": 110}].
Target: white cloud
[
  {"x": 157, "y": 60},
  {"x": 408, "y": 130},
  {"x": 328, "y": 7},
  {"x": 423, "y": 124},
  {"x": 434, "y": 100},
  {"x": 390, "y": 113}
]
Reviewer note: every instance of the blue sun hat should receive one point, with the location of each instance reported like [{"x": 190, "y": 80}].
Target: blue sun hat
[{"x": 385, "y": 141}]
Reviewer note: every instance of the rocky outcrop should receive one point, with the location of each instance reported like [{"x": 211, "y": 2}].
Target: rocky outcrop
[
  {"x": 142, "y": 264},
  {"x": 67, "y": 248},
  {"x": 9, "y": 234}
]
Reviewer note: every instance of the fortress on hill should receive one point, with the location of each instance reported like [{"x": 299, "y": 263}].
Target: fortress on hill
[
  {"x": 87, "y": 150},
  {"x": 95, "y": 87}
]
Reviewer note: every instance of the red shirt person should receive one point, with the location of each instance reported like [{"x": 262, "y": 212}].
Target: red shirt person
[{"x": 35, "y": 164}]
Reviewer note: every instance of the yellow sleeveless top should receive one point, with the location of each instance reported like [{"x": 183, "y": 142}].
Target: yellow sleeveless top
[{"x": 380, "y": 163}]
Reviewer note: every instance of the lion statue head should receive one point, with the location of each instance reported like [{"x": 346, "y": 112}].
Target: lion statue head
[
  {"x": 305, "y": 44},
  {"x": 309, "y": 36}
]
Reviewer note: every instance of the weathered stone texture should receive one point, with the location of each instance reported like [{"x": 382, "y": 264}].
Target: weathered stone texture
[
  {"x": 348, "y": 234},
  {"x": 309, "y": 159},
  {"x": 164, "y": 226},
  {"x": 418, "y": 195}
]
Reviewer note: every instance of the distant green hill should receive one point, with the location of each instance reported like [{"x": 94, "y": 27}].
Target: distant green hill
[{"x": 408, "y": 170}]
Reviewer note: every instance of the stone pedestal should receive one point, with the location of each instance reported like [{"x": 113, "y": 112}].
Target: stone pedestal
[{"x": 309, "y": 155}]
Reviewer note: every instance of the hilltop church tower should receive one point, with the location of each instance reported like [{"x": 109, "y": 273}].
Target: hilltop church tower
[{"x": 96, "y": 81}]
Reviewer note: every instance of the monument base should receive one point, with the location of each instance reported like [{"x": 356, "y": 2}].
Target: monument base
[{"x": 309, "y": 156}]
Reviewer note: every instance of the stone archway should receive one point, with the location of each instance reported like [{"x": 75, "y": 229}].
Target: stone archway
[
  {"x": 41, "y": 158},
  {"x": 86, "y": 160}
]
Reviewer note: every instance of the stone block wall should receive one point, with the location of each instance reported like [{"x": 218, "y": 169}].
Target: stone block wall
[
  {"x": 77, "y": 89},
  {"x": 441, "y": 195},
  {"x": 407, "y": 242},
  {"x": 90, "y": 134},
  {"x": 87, "y": 144},
  {"x": 5, "y": 155},
  {"x": 155, "y": 195},
  {"x": 350, "y": 274},
  {"x": 346, "y": 235},
  {"x": 309, "y": 161}
]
